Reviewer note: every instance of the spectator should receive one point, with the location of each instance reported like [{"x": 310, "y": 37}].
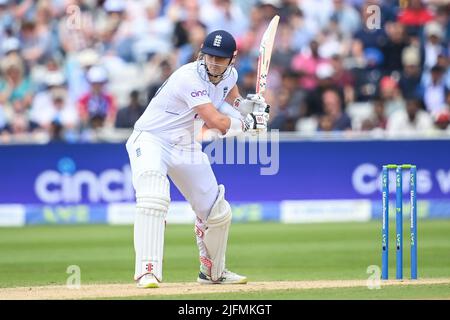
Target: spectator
[
  {"x": 282, "y": 52},
  {"x": 97, "y": 108},
  {"x": 317, "y": 13},
  {"x": 20, "y": 129},
  {"x": 442, "y": 120},
  {"x": 165, "y": 70},
  {"x": 284, "y": 112},
  {"x": 391, "y": 95},
  {"x": 343, "y": 78},
  {"x": 16, "y": 88},
  {"x": 433, "y": 45},
  {"x": 153, "y": 33},
  {"x": 77, "y": 67},
  {"x": 76, "y": 33},
  {"x": 127, "y": 117},
  {"x": 409, "y": 82},
  {"x": 306, "y": 64},
  {"x": 347, "y": 17},
  {"x": 435, "y": 90},
  {"x": 36, "y": 41},
  {"x": 393, "y": 48},
  {"x": 410, "y": 121},
  {"x": 10, "y": 46},
  {"x": 369, "y": 37},
  {"x": 415, "y": 16},
  {"x": 334, "y": 117},
  {"x": 190, "y": 50},
  {"x": 378, "y": 120},
  {"x": 223, "y": 15},
  {"x": 52, "y": 106},
  {"x": 186, "y": 17},
  {"x": 247, "y": 81},
  {"x": 314, "y": 98}
]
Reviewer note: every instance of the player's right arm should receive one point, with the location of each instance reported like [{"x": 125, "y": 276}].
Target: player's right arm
[
  {"x": 229, "y": 126},
  {"x": 217, "y": 120}
]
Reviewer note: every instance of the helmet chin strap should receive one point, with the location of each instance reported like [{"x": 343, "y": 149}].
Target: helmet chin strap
[{"x": 215, "y": 76}]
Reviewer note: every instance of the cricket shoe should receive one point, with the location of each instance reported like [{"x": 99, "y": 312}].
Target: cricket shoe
[
  {"x": 148, "y": 281},
  {"x": 227, "y": 277}
]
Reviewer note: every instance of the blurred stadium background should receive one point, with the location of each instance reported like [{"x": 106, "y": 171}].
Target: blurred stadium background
[{"x": 346, "y": 99}]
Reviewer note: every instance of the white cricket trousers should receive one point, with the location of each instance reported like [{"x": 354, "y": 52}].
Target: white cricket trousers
[{"x": 189, "y": 169}]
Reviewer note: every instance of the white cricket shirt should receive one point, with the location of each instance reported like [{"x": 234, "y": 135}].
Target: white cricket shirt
[{"x": 171, "y": 114}]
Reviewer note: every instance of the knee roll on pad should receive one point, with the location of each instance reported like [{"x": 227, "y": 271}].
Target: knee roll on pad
[
  {"x": 152, "y": 191},
  {"x": 216, "y": 234},
  {"x": 152, "y": 204}
]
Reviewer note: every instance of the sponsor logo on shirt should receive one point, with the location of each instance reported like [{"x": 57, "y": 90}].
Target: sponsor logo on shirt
[
  {"x": 225, "y": 91},
  {"x": 199, "y": 93}
]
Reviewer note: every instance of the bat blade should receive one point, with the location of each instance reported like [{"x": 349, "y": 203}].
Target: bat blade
[{"x": 265, "y": 53}]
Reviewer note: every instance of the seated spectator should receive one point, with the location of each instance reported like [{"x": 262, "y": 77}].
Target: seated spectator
[
  {"x": 97, "y": 108},
  {"x": 282, "y": 112},
  {"x": 392, "y": 49},
  {"x": 313, "y": 104},
  {"x": 78, "y": 34},
  {"x": 190, "y": 50},
  {"x": 379, "y": 119},
  {"x": 433, "y": 45},
  {"x": 76, "y": 71},
  {"x": 10, "y": 46},
  {"x": 343, "y": 78},
  {"x": 415, "y": 16},
  {"x": 186, "y": 17},
  {"x": 153, "y": 32},
  {"x": 347, "y": 17},
  {"x": 409, "y": 121},
  {"x": 36, "y": 42},
  {"x": 223, "y": 15},
  {"x": 20, "y": 128},
  {"x": 367, "y": 35},
  {"x": 435, "y": 90},
  {"x": 16, "y": 88},
  {"x": 306, "y": 63},
  {"x": 442, "y": 120},
  {"x": 163, "y": 72},
  {"x": 53, "y": 107},
  {"x": 282, "y": 52},
  {"x": 334, "y": 117},
  {"x": 247, "y": 82},
  {"x": 296, "y": 96},
  {"x": 302, "y": 31},
  {"x": 366, "y": 72},
  {"x": 127, "y": 117},
  {"x": 409, "y": 82},
  {"x": 391, "y": 95}
]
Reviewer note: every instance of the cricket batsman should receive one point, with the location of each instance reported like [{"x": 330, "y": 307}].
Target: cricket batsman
[{"x": 163, "y": 145}]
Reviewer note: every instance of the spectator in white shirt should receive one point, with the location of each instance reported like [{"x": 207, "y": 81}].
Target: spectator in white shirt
[
  {"x": 224, "y": 15},
  {"x": 435, "y": 90},
  {"x": 52, "y": 106},
  {"x": 410, "y": 121}
]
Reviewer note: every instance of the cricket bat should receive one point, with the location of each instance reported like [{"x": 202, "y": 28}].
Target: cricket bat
[{"x": 265, "y": 53}]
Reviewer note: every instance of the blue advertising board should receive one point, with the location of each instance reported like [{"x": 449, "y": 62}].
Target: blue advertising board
[{"x": 58, "y": 174}]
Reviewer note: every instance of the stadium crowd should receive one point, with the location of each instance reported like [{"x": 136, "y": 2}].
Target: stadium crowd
[{"x": 69, "y": 68}]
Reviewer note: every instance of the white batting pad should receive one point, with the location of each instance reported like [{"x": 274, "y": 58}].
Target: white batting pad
[
  {"x": 152, "y": 203},
  {"x": 216, "y": 234}
]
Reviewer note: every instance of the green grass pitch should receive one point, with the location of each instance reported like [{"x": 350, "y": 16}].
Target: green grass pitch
[{"x": 40, "y": 255}]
